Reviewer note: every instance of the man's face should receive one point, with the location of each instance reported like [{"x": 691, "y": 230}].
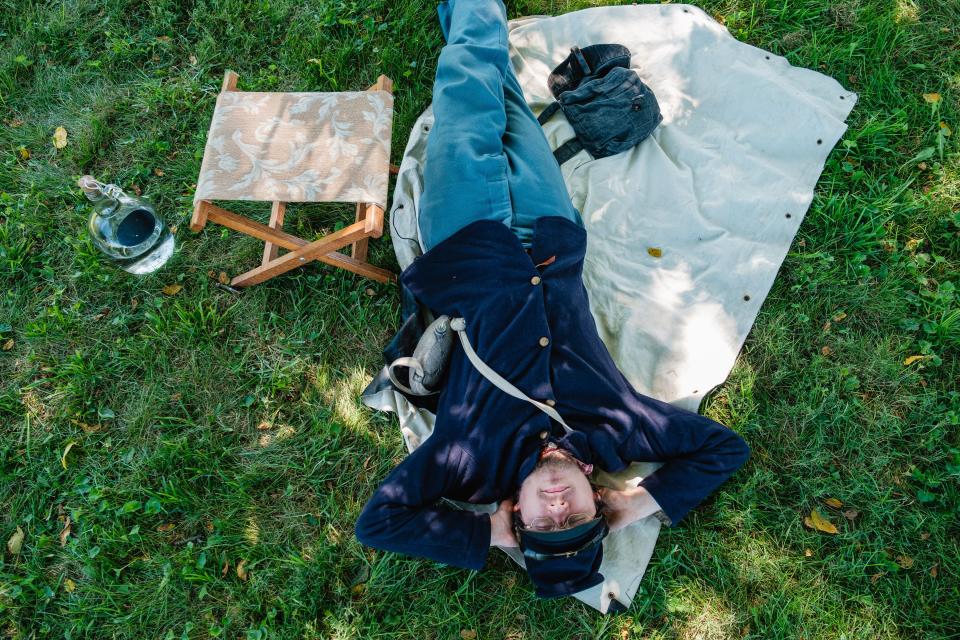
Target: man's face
[{"x": 557, "y": 488}]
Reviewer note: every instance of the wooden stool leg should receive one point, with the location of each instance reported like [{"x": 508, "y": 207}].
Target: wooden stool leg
[
  {"x": 229, "y": 81},
  {"x": 276, "y": 222},
  {"x": 199, "y": 219},
  {"x": 360, "y": 247}
]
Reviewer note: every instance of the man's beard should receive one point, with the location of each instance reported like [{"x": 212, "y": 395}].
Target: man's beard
[{"x": 557, "y": 460}]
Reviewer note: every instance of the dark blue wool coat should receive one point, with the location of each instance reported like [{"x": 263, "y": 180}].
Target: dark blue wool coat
[{"x": 534, "y": 327}]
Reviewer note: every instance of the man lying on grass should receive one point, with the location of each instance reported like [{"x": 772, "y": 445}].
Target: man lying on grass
[{"x": 505, "y": 253}]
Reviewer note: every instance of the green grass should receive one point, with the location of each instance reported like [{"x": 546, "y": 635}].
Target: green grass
[{"x": 170, "y": 484}]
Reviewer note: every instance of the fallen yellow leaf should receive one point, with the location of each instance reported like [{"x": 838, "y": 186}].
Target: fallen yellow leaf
[
  {"x": 909, "y": 361},
  {"x": 840, "y": 317},
  {"x": 15, "y": 543},
  {"x": 172, "y": 289},
  {"x": 242, "y": 572},
  {"x": 905, "y": 561},
  {"x": 818, "y": 522},
  {"x": 24, "y": 153},
  {"x": 66, "y": 450},
  {"x": 158, "y": 172},
  {"x": 945, "y": 129},
  {"x": 60, "y": 138},
  {"x": 934, "y": 570},
  {"x": 358, "y": 589},
  {"x": 833, "y": 502},
  {"x": 656, "y": 252},
  {"x": 826, "y": 351},
  {"x": 932, "y": 98},
  {"x": 223, "y": 278},
  {"x": 808, "y": 552},
  {"x": 69, "y": 585},
  {"x": 167, "y": 526},
  {"x": 468, "y": 634},
  {"x": 8, "y": 345}
]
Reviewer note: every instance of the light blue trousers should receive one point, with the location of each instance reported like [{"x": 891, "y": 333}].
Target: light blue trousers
[{"x": 487, "y": 157}]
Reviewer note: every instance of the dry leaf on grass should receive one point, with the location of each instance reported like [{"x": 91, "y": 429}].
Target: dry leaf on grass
[
  {"x": 850, "y": 514},
  {"x": 934, "y": 570},
  {"x": 826, "y": 352},
  {"x": 66, "y": 450},
  {"x": 65, "y": 533},
  {"x": 932, "y": 98},
  {"x": 23, "y": 152},
  {"x": 242, "y": 572},
  {"x": 818, "y": 522},
  {"x": 945, "y": 129},
  {"x": 905, "y": 561},
  {"x": 69, "y": 585},
  {"x": 15, "y": 542},
  {"x": 468, "y": 634},
  {"x": 167, "y": 526},
  {"x": 226, "y": 569},
  {"x": 172, "y": 289},
  {"x": 909, "y": 361},
  {"x": 808, "y": 552},
  {"x": 60, "y": 138},
  {"x": 840, "y": 317},
  {"x": 223, "y": 278},
  {"x": 833, "y": 502},
  {"x": 8, "y": 344},
  {"x": 158, "y": 172},
  {"x": 655, "y": 252}
]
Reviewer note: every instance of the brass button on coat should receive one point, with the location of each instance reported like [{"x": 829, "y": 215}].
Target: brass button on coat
[
  {"x": 544, "y": 434},
  {"x": 544, "y": 341},
  {"x": 551, "y": 403},
  {"x": 535, "y": 280}
]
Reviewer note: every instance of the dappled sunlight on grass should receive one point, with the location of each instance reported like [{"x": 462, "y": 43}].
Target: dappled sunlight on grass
[
  {"x": 906, "y": 12},
  {"x": 700, "y": 613},
  {"x": 341, "y": 392}
]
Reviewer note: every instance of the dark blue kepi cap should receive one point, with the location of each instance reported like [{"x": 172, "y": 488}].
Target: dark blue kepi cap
[{"x": 561, "y": 563}]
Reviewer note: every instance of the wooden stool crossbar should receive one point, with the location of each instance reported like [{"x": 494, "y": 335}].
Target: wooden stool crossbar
[{"x": 299, "y": 147}]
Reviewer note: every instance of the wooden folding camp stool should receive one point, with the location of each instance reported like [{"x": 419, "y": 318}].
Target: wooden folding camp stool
[{"x": 299, "y": 147}]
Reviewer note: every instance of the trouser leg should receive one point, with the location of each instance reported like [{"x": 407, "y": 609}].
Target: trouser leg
[
  {"x": 465, "y": 176},
  {"x": 536, "y": 184}
]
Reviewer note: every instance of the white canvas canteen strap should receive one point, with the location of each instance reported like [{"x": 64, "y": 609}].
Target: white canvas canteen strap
[
  {"x": 460, "y": 325},
  {"x": 414, "y": 364}
]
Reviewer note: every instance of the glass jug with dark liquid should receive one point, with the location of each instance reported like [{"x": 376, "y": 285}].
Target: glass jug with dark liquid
[{"x": 127, "y": 229}]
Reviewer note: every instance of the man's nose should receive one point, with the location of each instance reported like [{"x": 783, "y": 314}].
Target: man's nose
[{"x": 558, "y": 508}]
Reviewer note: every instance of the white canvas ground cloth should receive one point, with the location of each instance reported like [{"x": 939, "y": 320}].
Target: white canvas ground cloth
[{"x": 718, "y": 191}]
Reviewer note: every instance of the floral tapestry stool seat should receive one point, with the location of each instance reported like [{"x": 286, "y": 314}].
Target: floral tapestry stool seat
[{"x": 299, "y": 147}]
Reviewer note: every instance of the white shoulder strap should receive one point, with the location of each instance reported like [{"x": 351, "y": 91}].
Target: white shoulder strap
[{"x": 460, "y": 325}]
